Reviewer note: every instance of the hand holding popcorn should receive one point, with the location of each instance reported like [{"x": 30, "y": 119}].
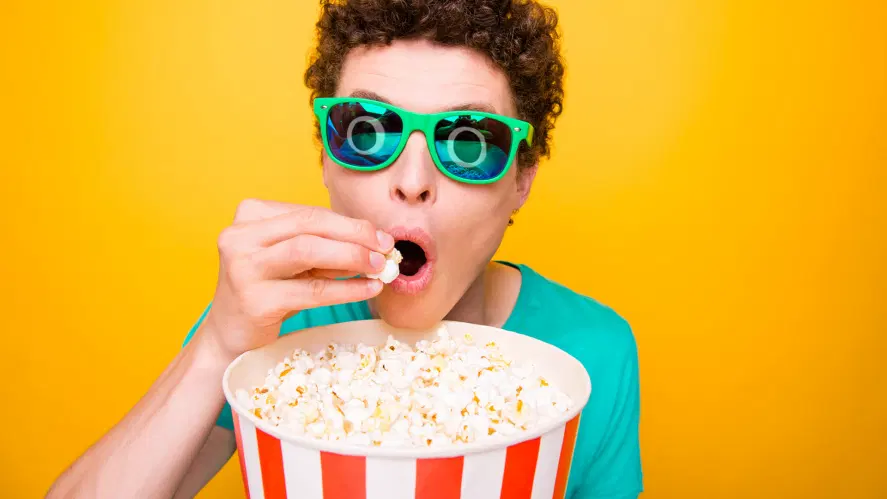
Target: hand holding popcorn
[{"x": 277, "y": 259}]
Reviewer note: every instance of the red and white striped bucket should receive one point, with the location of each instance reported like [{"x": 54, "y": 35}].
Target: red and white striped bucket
[{"x": 531, "y": 465}]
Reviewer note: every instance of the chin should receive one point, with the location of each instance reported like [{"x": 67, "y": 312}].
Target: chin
[{"x": 406, "y": 312}]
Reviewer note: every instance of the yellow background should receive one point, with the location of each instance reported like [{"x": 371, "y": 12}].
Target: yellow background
[{"x": 718, "y": 177}]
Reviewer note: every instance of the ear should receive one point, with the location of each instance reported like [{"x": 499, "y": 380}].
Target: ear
[
  {"x": 324, "y": 169},
  {"x": 525, "y": 179}
]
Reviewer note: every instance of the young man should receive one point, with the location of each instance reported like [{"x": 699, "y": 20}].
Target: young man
[{"x": 434, "y": 115}]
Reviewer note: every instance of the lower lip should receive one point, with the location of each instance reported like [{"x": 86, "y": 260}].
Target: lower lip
[{"x": 413, "y": 284}]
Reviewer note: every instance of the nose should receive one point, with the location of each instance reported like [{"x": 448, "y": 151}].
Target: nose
[{"x": 413, "y": 179}]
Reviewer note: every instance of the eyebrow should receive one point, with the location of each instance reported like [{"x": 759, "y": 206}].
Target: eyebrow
[{"x": 468, "y": 106}]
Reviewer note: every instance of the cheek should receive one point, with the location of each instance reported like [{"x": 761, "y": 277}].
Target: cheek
[
  {"x": 502, "y": 199},
  {"x": 349, "y": 191},
  {"x": 478, "y": 222}
]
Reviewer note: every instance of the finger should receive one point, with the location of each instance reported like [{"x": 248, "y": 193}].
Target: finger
[
  {"x": 238, "y": 237},
  {"x": 301, "y": 294},
  {"x": 319, "y": 222},
  {"x": 331, "y": 274},
  {"x": 251, "y": 210},
  {"x": 306, "y": 252}
]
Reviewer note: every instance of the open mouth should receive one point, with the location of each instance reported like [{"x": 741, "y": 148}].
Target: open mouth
[
  {"x": 414, "y": 257},
  {"x": 419, "y": 258}
]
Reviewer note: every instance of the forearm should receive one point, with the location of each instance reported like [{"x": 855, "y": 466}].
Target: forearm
[
  {"x": 149, "y": 451},
  {"x": 218, "y": 449}
]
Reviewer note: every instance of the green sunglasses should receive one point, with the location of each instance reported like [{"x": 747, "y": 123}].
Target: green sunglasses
[{"x": 468, "y": 146}]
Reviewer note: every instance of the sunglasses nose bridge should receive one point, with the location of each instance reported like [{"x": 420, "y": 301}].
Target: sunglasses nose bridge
[
  {"x": 416, "y": 149},
  {"x": 413, "y": 173}
]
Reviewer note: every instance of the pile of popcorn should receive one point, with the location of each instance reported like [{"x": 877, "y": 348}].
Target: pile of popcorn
[{"x": 442, "y": 392}]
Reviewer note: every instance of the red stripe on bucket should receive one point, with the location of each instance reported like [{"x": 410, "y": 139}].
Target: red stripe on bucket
[
  {"x": 271, "y": 460},
  {"x": 240, "y": 453},
  {"x": 344, "y": 477},
  {"x": 520, "y": 468},
  {"x": 439, "y": 478},
  {"x": 563, "y": 465}
]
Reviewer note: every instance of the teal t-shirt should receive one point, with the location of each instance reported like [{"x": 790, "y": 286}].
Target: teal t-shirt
[{"x": 607, "y": 460}]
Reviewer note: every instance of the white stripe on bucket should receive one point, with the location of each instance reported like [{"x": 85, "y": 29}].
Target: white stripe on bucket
[
  {"x": 251, "y": 458},
  {"x": 482, "y": 474},
  {"x": 390, "y": 478},
  {"x": 301, "y": 467},
  {"x": 547, "y": 462}
]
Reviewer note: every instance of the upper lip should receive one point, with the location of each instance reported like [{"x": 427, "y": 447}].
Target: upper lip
[{"x": 415, "y": 235}]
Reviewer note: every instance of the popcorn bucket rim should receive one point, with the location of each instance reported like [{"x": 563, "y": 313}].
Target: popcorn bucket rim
[{"x": 346, "y": 449}]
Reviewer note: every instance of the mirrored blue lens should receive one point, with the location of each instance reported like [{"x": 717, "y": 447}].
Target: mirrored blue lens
[
  {"x": 363, "y": 135},
  {"x": 473, "y": 147}
]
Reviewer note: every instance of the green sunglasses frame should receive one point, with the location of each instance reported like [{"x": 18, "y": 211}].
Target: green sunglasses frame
[{"x": 425, "y": 123}]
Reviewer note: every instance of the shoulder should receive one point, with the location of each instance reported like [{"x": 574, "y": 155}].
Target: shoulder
[{"x": 583, "y": 324}]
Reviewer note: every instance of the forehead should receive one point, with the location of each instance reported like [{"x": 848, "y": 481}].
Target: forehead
[{"x": 425, "y": 77}]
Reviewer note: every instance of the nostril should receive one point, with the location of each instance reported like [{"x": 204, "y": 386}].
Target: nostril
[{"x": 420, "y": 197}]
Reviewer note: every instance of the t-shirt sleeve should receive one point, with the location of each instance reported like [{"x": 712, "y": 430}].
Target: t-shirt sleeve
[
  {"x": 225, "y": 419},
  {"x": 613, "y": 469}
]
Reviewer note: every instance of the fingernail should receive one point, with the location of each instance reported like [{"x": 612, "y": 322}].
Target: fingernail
[
  {"x": 375, "y": 285},
  {"x": 377, "y": 260},
  {"x": 385, "y": 240}
]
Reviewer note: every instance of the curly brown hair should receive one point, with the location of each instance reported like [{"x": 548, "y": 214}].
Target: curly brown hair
[{"x": 520, "y": 36}]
